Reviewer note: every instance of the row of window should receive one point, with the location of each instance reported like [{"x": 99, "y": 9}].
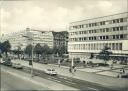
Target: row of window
[
  {"x": 120, "y": 20},
  {"x": 96, "y": 46},
  {"x": 105, "y": 37},
  {"x": 100, "y": 30}
]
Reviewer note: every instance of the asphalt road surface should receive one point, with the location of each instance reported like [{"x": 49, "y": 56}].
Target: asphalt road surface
[
  {"x": 21, "y": 84},
  {"x": 12, "y": 83}
]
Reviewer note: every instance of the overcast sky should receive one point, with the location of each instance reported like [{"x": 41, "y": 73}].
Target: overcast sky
[{"x": 53, "y": 14}]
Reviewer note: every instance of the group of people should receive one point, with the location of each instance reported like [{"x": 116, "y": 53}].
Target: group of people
[{"x": 72, "y": 69}]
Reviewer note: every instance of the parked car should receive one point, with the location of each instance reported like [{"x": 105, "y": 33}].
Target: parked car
[
  {"x": 1, "y": 61},
  {"x": 7, "y": 63},
  {"x": 50, "y": 72},
  {"x": 17, "y": 65},
  {"x": 124, "y": 75}
]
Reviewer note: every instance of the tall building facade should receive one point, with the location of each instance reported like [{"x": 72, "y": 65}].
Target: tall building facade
[
  {"x": 41, "y": 37},
  {"x": 15, "y": 39},
  {"x": 92, "y": 35},
  {"x": 22, "y": 38}
]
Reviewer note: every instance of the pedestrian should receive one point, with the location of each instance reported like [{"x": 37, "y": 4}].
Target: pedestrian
[
  {"x": 70, "y": 70},
  {"x": 74, "y": 69},
  {"x": 111, "y": 65},
  {"x": 123, "y": 70}
]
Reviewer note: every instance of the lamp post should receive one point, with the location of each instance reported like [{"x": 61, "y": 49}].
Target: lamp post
[
  {"x": 31, "y": 61},
  {"x": 58, "y": 59},
  {"x": 19, "y": 49},
  {"x": 72, "y": 62}
]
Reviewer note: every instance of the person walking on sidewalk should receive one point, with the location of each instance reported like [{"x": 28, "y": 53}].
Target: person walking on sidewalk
[
  {"x": 123, "y": 70},
  {"x": 74, "y": 69},
  {"x": 70, "y": 70}
]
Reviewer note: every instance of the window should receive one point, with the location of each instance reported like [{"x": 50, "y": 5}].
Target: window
[
  {"x": 107, "y": 29},
  {"x": 89, "y": 25},
  {"x": 120, "y": 46},
  {"x": 116, "y": 46},
  {"x": 89, "y": 38},
  {"x": 117, "y": 36},
  {"x": 121, "y": 28},
  {"x": 114, "y": 21},
  {"x": 106, "y": 37},
  {"x": 104, "y": 30},
  {"x": 94, "y": 31},
  {"x": 84, "y": 38},
  {"x": 113, "y": 28},
  {"x": 121, "y": 19},
  {"x": 117, "y": 21},
  {"x": 84, "y": 32},
  {"x": 101, "y": 37},
  {"x": 117, "y": 28},
  {"x": 94, "y": 38},
  {"x": 113, "y": 46},
  {"x": 114, "y": 37},
  {"x": 121, "y": 36}
]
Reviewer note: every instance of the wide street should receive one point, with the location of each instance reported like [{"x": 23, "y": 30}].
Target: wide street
[
  {"x": 19, "y": 83},
  {"x": 11, "y": 82}
]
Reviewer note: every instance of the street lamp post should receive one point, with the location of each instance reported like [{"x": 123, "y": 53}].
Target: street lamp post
[
  {"x": 31, "y": 61},
  {"x": 58, "y": 59}
]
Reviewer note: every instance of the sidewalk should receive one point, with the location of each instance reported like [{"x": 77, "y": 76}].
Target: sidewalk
[{"x": 87, "y": 76}]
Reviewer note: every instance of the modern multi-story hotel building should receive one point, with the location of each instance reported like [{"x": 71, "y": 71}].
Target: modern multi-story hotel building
[
  {"x": 91, "y": 35},
  {"x": 22, "y": 38}
]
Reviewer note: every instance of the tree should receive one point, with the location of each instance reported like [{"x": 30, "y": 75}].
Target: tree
[
  {"x": 17, "y": 51},
  {"x": 60, "y": 50},
  {"x": 105, "y": 54},
  {"x": 38, "y": 50},
  {"x": 28, "y": 50},
  {"x": 6, "y": 46},
  {"x": 1, "y": 47},
  {"x": 46, "y": 49},
  {"x": 55, "y": 50}
]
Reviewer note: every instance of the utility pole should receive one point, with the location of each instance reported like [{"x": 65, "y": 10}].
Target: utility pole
[
  {"x": 72, "y": 63},
  {"x": 31, "y": 61},
  {"x": 58, "y": 59}
]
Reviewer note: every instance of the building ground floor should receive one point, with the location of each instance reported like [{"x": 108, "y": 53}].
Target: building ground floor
[
  {"x": 84, "y": 50},
  {"x": 82, "y": 56}
]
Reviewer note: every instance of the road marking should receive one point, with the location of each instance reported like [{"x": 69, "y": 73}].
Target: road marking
[
  {"x": 92, "y": 88},
  {"x": 63, "y": 77},
  {"x": 53, "y": 79},
  {"x": 70, "y": 82},
  {"x": 66, "y": 78}
]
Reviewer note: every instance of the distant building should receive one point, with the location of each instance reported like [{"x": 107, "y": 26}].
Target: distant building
[
  {"x": 15, "y": 39},
  {"x": 41, "y": 37},
  {"x": 29, "y": 36},
  {"x": 20, "y": 38},
  {"x": 92, "y": 35}
]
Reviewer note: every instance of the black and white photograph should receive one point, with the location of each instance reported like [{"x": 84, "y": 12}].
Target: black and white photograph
[{"x": 63, "y": 45}]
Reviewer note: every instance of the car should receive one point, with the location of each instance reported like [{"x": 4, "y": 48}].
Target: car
[
  {"x": 1, "y": 61},
  {"x": 17, "y": 65},
  {"x": 123, "y": 75},
  {"x": 50, "y": 72},
  {"x": 7, "y": 63}
]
